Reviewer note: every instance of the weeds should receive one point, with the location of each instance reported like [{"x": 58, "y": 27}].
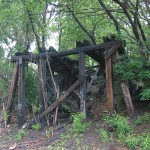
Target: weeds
[
  {"x": 143, "y": 119},
  {"x": 36, "y": 127},
  {"x": 131, "y": 141},
  {"x": 145, "y": 141},
  {"x": 103, "y": 135},
  {"x": 119, "y": 123},
  {"x": 21, "y": 134},
  {"x": 78, "y": 125}
]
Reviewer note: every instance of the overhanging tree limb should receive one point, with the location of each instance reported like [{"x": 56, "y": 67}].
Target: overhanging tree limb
[
  {"x": 134, "y": 27},
  {"x": 110, "y": 15},
  {"x": 32, "y": 25},
  {"x": 81, "y": 26}
]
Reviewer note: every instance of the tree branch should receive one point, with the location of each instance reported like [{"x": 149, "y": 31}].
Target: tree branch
[
  {"x": 110, "y": 16},
  {"x": 32, "y": 25},
  {"x": 82, "y": 27}
]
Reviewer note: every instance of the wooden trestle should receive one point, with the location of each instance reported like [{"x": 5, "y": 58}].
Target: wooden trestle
[{"x": 101, "y": 53}]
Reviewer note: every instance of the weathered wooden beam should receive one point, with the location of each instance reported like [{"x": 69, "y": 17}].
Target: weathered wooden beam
[
  {"x": 42, "y": 83},
  {"x": 82, "y": 73},
  {"x": 85, "y": 49},
  {"x": 110, "y": 51},
  {"x": 56, "y": 103},
  {"x": 127, "y": 99},
  {"x": 109, "y": 89},
  {"x": 21, "y": 92},
  {"x": 12, "y": 91}
]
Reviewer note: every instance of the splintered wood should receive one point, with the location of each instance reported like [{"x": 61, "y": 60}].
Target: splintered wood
[{"x": 127, "y": 99}]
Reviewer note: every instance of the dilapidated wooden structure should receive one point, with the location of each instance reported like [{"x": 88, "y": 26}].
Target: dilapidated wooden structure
[{"x": 102, "y": 53}]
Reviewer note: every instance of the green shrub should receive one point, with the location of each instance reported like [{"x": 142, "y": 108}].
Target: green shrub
[
  {"x": 78, "y": 125},
  {"x": 145, "y": 142},
  {"x": 21, "y": 134},
  {"x": 36, "y": 127},
  {"x": 145, "y": 95},
  {"x": 120, "y": 123},
  {"x": 131, "y": 141},
  {"x": 143, "y": 119},
  {"x": 103, "y": 135}
]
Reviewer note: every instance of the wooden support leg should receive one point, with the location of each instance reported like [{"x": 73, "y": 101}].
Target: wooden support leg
[
  {"x": 21, "y": 93},
  {"x": 42, "y": 85},
  {"x": 82, "y": 73},
  {"x": 109, "y": 90},
  {"x": 12, "y": 91}
]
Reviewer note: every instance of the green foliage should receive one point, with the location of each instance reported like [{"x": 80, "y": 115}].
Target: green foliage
[
  {"x": 136, "y": 69},
  {"x": 103, "y": 135},
  {"x": 36, "y": 127},
  {"x": 145, "y": 141},
  {"x": 36, "y": 108},
  {"x": 131, "y": 141},
  {"x": 5, "y": 115},
  {"x": 143, "y": 119},
  {"x": 145, "y": 95},
  {"x": 21, "y": 134},
  {"x": 120, "y": 123},
  {"x": 78, "y": 125}
]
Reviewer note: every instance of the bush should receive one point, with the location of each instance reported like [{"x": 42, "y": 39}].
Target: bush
[
  {"x": 36, "y": 127},
  {"x": 78, "y": 125},
  {"x": 103, "y": 135},
  {"x": 120, "y": 123},
  {"x": 143, "y": 119},
  {"x": 145, "y": 142},
  {"x": 131, "y": 141},
  {"x": 21, "y": 134},
  {"x": 145, "y": 95}
]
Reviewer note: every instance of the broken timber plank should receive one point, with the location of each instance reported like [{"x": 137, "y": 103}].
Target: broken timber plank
[
  {"x": 56, "y": 103},
  {"x": 128, "y": 100}
]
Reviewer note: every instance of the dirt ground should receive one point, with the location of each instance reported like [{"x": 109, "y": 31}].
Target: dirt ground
[{"x": 61, "y": 137}]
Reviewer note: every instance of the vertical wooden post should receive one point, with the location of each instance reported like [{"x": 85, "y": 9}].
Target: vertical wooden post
[
  {"x": 42, "y": 85},
  {"x": 12, "y": 91},
  {"x": 109, "y": 89},
  {"x": 82, "y": 73},
  {"x": 42, "y": 79},
  {"x": 21, "y": 92}
]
